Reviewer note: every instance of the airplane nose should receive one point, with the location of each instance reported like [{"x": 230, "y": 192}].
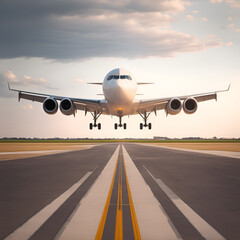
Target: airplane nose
[{"x": 120, "y": 84}]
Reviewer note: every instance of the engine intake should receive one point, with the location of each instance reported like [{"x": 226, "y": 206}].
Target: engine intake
[
  {"x": 67, "y": 107},
  {"x": 190, "y": 105},
  {"x": 174, "y": 106},
  {"x": 50, "y": 105}
]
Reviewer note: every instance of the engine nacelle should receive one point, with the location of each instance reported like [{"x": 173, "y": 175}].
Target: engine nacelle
[
  {"x": 190, "y": 105},
  {"x": 50, "y": 105},
  {"x": 174, "y": 106},
  {"x": 67, "y": 107}
]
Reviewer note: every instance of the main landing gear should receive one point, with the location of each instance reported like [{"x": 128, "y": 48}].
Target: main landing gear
[
  {"x": 124, "y": 125},
  {"x": 95, "y": 115},
  {"x": 145, "y": 116}
]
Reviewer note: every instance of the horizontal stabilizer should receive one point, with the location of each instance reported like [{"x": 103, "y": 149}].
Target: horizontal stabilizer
[
  {"x": 143, "y": 83},
  {"x": 95, "y": 83}
]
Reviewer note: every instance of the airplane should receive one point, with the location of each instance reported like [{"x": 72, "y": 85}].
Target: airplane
[{"x": 119, "y": 89}]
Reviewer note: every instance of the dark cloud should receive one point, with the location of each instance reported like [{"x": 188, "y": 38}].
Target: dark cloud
[{"x": 72, "y": 29}]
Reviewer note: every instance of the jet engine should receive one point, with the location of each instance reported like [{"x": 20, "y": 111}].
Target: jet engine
[
  {"x": 190, "y": 105},
  {"x": 50, "y": 105},
  {"x": 174, "y": 106},
  {"x": 67, "y": 107}
]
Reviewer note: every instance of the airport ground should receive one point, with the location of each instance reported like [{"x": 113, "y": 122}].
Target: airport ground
[
  {"x": 23, "y": 149},
  {"x": 120, "y": 191}
]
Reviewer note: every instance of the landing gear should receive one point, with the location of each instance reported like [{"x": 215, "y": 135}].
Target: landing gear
[
  {"x": 95, "y": 115},
  {"x": 124, "y": 125},
  {"x": 145, "y": 116}
]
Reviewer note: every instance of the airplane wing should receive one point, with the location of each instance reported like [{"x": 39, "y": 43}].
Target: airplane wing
[
  {"x": 86, "y": 105},
  {"x": 161, "y": 103}
]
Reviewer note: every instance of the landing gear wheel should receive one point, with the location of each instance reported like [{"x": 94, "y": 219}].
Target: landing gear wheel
[
  {"x": 90, "y": 126},
  {"x": 124, "y": 126},
  {"x": 149, "y": 126},
  {"x": 99, "y": 126},
  {"x": 141, "y": 126},
  {"x": 115, "y": 126}
]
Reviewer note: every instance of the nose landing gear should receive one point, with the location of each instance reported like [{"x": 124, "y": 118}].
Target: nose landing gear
[{"x": 124, "y": 125}]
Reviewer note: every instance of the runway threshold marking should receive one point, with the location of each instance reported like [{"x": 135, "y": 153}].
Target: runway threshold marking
[
  {"x": 205, "y": 229},
  {"x": 34, "y": 223}
]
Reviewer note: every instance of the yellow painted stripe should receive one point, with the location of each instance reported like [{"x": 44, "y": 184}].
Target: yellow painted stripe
[
  {"x": 136, "y": 230},
  {"x": 105, "y": 210},
  {"x": 119, "y": 213}
]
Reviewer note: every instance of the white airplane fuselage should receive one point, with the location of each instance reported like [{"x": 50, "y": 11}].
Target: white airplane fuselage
[{"x": 119, "y": 89}]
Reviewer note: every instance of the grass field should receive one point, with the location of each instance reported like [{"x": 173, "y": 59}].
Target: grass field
[
  {"x": 24, "y": 146},
  {"x": 7, "y": 149},
  {"x": 118, "y": 140}
]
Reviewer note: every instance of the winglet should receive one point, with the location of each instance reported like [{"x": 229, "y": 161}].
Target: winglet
[
  {"x": 229, "y": 87},
  {"x": 9, "y": 88}
]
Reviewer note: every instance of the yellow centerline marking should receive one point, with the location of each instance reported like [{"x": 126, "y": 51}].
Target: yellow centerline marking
[
  {"x": 136, "y": 230},
  {"x": 119, "y": 214},
  {"x": 119, "y": 211},
  {"x": 105, "y": 211}
]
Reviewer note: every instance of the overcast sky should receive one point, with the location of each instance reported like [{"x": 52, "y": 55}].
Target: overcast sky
[{"x": 58, "y": 46}]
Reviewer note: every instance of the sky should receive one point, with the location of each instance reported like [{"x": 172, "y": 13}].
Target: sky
[{"x": 57, "y": 47}]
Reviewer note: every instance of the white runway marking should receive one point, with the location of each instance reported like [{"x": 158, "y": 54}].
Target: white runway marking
[
  {"x": 152, "y": 220},
  {"x": 83, "y": 224},
  {"x": 35, "y": 152},
  {"x": 207, "y": 231},
  {"x": 34, "y": 223},
  {"x": 75, "y": 148},
  {"x": 211, "y": 152}
]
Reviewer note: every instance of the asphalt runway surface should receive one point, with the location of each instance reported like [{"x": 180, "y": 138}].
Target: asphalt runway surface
[{"x": 121, "y": 191}]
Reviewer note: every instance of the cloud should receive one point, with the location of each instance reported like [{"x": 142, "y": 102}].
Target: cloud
[
  {"x": 9, "y": 77},
  {"x": 25, "y": 81},
  {"x": 233, "y": 27},
  {"x": 232, "y": 3},
  {"x": 190, "y": 18},
  {"x": 30, "y": 81},
  {"x": 65, "y": 30},
  {"x": 27, "y": 107},
  {"x": 78, "y": 80},
  {"x": 216, "y": 1},
  {"x": 204, "y": 19}
]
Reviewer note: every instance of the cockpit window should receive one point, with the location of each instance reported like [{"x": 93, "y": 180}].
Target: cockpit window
[
  {"x": 113, "y": 77},
  {"x": 117, "y": 77},
  {"x": 125, "y": 77}
]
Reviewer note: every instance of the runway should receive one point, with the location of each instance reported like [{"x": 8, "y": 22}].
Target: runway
[{"x": 121, "y": 191}]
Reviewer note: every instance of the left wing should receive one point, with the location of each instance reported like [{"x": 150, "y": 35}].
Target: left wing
[
  {"x": 162, "y": 103},
  {"x": 86, "y": 105}
]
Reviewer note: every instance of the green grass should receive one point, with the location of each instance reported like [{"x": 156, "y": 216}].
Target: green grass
[{"x": 112, "y": 141}]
